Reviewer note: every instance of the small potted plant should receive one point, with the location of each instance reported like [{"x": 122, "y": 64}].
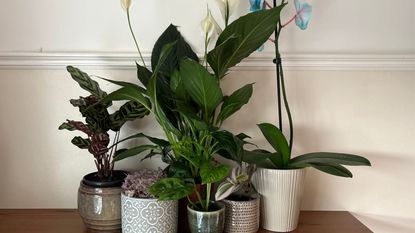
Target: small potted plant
[
  {"x": 241, "y": 201},
  {"x": 99, "y": 192},
  {"x": 141, "y": 211}
]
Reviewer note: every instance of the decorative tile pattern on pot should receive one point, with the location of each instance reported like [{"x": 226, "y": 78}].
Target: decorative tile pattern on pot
[{"x": 148, "y": 215}]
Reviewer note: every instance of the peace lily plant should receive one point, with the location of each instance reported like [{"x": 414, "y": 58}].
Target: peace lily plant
[{"x": 188, "y": 103}]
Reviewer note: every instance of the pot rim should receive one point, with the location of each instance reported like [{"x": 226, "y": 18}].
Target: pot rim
[
  {"x": 104, "y": 184},
  {"x": 255, "y": 199},
  {"x": 282, "y": 170},
  {"x": 146, "y": 199},
  {"x": 220, "y": 204}
]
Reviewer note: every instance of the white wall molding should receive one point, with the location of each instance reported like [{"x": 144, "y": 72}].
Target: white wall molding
[{"x": 258, "y": 61}]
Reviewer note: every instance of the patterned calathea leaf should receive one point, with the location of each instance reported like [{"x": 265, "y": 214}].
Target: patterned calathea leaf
[
  {"x": 85, "y": 82},
  {"x": 128, "y": 112},
  {"x": 76, "y": 125},
  {"x": 82, "y": 143},
  {"x": 99, "y": 144}
]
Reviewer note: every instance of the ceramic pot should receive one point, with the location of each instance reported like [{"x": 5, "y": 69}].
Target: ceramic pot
[
  {"x": 207, "y": 222},
  {"x": 140, "y": 215},
  {"x": 281, "y": 192},
  {"x": 242, "y": 216},
  {"x": 183, "y": 219},
  {"x": 99, "y": 203}
]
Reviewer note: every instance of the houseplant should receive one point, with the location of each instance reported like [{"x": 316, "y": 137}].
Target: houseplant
[
  {"x": 241, "y": 201},
  {"x": 141, "y": 211},
  {"x": 280, "y": 178},
  {"x": 99, "y": 192},
  {"x": 187, "y": 102}
]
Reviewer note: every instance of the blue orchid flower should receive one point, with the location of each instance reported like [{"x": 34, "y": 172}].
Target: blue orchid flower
[
  {"x": 256, "y": 5},
  {"x": 303, "y": 15}
]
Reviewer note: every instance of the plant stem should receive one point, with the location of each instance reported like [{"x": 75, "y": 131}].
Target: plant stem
[
  {"x": 277, "y": 59},
  {"x": 135, "y": 40},
  {"x": 206, "y": 48},
  {"x": 287, "y": 107},
  {"x": 208, "y": 190}
]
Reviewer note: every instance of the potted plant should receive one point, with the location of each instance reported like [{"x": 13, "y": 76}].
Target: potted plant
[
  {"x": 241, "y": 201},
  {"x": 99, "y": 192},
  {"x": 279, "y": 178},
  {"x": 141, "y": 211}
]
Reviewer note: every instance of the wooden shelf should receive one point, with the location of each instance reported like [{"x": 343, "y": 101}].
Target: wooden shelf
[{"x": 68, "y": 221}]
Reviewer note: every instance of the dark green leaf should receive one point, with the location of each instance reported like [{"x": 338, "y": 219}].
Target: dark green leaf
[
  {"x": 85, "y": 82},
  {"x": 157, "y": 141},
  {"x": 212, "y": 174},
  {"x": 330, "y": 158},
  {"x": 129, "y": 93},
  {"x": 229, "y": 146},
  {"x": 179, "y": 170},
  {"x": 262, "y": 158},
  {"x": 248, "y": 33},
  {"x": 234, "y": 102},
  {"x": 277, "y": 140},
  {"x": 66, "y": 126},
  {"x": 134, "y": 151},
  {"x": 171, "y": 189},
  {"x": 202, "y": 87},
  {"x": 82, "y": 143},
  {"x": 143, "y": 74},
  {"x": 180, "y": 50},
  {"x": 332, "y": 169}
]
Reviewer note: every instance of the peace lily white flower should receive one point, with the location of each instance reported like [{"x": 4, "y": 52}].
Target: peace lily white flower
[
  {"x": 227, "y": 8},
  {"x": 210, "y": 26},
  {"x": 126, "y": 4}
]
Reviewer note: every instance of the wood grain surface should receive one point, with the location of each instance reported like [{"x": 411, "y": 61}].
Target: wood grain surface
[{"x": 68, "y": 221}]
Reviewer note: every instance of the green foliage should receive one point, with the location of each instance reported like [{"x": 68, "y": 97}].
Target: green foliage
[
  {"x": 235, "y": 102},
  {"x": 85, "y": 82},
  {"x": 213, "y": 173},
  {"x": 241, "y": 38},
  {"x": 331, "y": 163},
  {"x": 172, "y": 189},
  {"x": 82, "y": 143}
]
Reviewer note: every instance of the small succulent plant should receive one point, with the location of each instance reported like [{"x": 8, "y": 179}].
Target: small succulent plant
[{"x": 137, "y": 184}]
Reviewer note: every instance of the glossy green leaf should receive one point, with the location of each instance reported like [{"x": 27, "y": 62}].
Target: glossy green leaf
[
  {"x": 157, "y": 141},
  {"x": 143, "y": 74},
  {"x": 129, "y": 111},
  {"x": 261, "y": 158},
  {"x": 229, "y": 146},
  {"x": 134, "y": 151},
  {"x": 277, "y": 140},
  {"x": 202, "y": 87},
  {"x": 332, "y": 169},
  {"x": 235, "y": 102},
  {"x": 330, "y": 158},
  {"x": 241, "y": 38},
  {"x": 212, "y": 174},
  {"x": 129, "y": 93},
  {"x": 181, "y": 49},
  {"x": 171, "y": 189}
]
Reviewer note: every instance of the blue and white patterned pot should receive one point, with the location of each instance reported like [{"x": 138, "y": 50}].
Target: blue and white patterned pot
[{"x": 141, "y": 215}]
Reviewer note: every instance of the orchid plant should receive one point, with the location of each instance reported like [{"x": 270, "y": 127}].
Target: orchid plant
[{"x": 332, "y": 163}]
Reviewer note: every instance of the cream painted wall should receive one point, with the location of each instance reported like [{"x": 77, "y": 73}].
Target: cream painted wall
[{"x": 368, "y": 112}]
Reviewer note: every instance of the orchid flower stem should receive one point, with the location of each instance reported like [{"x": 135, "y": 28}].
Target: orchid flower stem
[
  {"x": 227, "y": 14},
  {"x": 135, "y": 40},
  {"x": 277, "y": 60},
  {"x": 287, "y": 107},
  {"x": 289, "y": 21}
]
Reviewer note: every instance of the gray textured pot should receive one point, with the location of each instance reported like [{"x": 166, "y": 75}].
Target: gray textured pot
[
  {"x": 100, "y": 208},
  {"x": 281, "y": 192},
  {"x": 141, "y": 215},
  {"x": 207, "y": 222},
  {"x": 242, "y": 216}
]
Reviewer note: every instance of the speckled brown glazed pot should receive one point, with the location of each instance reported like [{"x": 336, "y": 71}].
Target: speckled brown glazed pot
[
  {"x": 207, "y": 222},
  {"x": 100, "y": 207},
  {"x": 242, "y": 216}
]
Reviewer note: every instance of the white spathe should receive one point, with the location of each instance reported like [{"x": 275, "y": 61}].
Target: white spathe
[{"x": 281, "y": 192}]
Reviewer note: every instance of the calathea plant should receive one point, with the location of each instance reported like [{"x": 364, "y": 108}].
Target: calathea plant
[
  {"x": 98, "y": 122},
  {"x": 188, "y": 103}
]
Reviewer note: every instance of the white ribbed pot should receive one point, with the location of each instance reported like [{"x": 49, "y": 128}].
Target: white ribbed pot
[
  {"x": 140, "y": 215},
  {"x": 281, "y": 192}
]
